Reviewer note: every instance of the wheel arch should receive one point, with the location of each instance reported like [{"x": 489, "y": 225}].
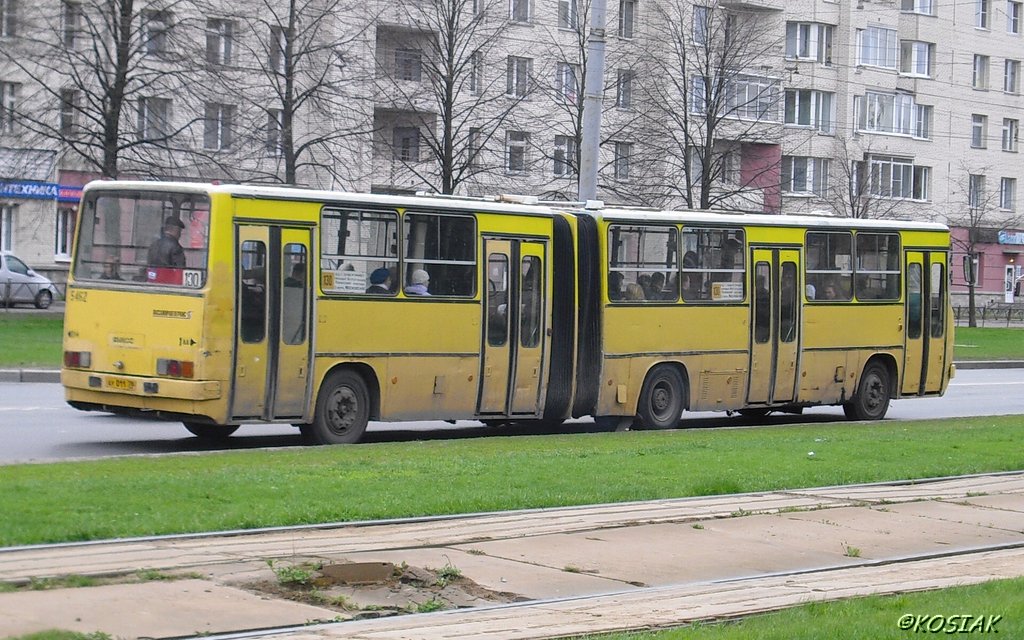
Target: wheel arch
[
  {"x": 364, "y": 371},
  {"x": 675, "y": 364},
  {"x": 888, "y": 361}
]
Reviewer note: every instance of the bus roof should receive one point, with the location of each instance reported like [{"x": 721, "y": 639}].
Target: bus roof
[{"x": 497, "y": 205}]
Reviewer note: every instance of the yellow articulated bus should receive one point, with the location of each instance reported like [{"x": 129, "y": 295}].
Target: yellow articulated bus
[{"x": 222, "y": 305}]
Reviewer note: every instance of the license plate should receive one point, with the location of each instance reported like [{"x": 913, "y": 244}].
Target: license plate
[{"x": 120, "y": 384}]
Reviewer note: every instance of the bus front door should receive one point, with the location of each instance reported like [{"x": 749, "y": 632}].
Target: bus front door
[
  {"x": 272, "y": 320},
  {"x": 514, "y": 328},
  {"x": 775, "y": 324},
  {"x": 925, "y": 322}
]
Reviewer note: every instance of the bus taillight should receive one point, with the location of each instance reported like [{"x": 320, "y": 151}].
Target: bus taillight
[
  {"x": 174, "y": 368},
  {"x": 78, "y": 359}
]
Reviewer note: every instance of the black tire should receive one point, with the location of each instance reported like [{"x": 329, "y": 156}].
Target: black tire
[
  {"x": 342, "y": 410},
  {"x": 212, "y": 432},
  {"x": 43, "y": 299},
  {"x": 874, "y": 391},
  {"x": 662, "y": 399}
]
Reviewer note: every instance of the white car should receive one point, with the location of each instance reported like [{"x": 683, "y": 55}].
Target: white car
[{"x": 20, "y": 284}]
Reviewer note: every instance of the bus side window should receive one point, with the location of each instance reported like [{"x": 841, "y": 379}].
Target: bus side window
[
  {"x": 253, "y": 291},
  {"x": 497, "y": 299},
  {"x": 293, "y": 294}
]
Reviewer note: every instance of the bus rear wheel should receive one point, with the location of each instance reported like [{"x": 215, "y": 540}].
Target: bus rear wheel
[
  {"x": 210, "y": 432},
  {"x": 662, "y": 399},
  {"x": 874, "y": 391},
  {"x": 342, "y": 410}
]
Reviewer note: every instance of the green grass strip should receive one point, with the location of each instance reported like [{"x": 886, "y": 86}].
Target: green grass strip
[
  {"x": 975, "y": 343},
  {"x": 138, "y": 496},
  {"x": 32, "y": 341},
  {"x": 989, "y": 610}
]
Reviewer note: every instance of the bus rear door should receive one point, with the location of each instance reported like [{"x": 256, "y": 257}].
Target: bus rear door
[
  {"x": 925, "y": 317},
  {"x": 512, "y": 367},
  {"x": 775, "y": 335},
  {"x": 272, "y": 323}
]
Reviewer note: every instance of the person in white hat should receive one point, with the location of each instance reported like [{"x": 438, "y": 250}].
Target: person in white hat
[{"x": 418, "y": 283}]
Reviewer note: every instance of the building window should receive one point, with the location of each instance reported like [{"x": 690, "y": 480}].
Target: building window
[
  {"x": 1011, "y": 127},
  {"x": 878, "y": 47},
  {"x": 809, "y": 41},
  {"x": 810, "y": 108},
  {"x": 980, "y": 78},
  {"x": 219, "y": 37},
  {"x": 805, "y": 175},
  {"x": 407, "y": 144},
  {"x": 621, "y": 161},
  {"x": 1008, "y": 194},
  {"x": 154, "y": 118},
  {"x": 701, "y": 23},
  {"x": 893, "y": 113},
  {"x": 975, "y": 190},
  {"x": 70, "y": 22},
  {"x": 218, "y": 125},
  {"x": 8, "y": 102},
  {"x": 517, "y": 77},
  {"x": 568, "y": 14},
  {"x": 476, "y": 73},
  {"x": 979, "y": 130},
  {"x": 916, "y": 58},
  {"x": 408, "y": 64},
  {"x": 68, "y": 109},
  {"x": 982, "y": 13},
  {"x": 155, "y": 28},
  {"x": 475, "y": 147},
  {"x": 278, "y": 49},
  {"x": 7, "y": 227},
  {"x": 516, "y": 145},
  {"x": 1011, "y": 76},
  {"x": 1013, "y": 10},
  {"x": 519, "y": 10},
  {"x": 624, "y": 89},
  {"x": 627, "y": 18},
  {"x": 65, "y": 231},
  {"x": 566, "y": 154},
  {"x": 275, "y": 124},
  {"x": 922, "y": 121},
  {"x": 897, "y": 178},
  {"x": 751, "y": 98},
  {"x": 565, "y": 81},
  {"x": 8, "y": 18},
  {"x": 923, "y": 7},
  {"x": 698, "y": 95}
]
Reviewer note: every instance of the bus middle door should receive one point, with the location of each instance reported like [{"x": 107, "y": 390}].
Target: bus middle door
[
  {"x": 514, "y": 328},
  {"x": 272, "y": 310},
  {"x": 775, "y": 335}
]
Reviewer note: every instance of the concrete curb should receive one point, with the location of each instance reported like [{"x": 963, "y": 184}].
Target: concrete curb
[{"x": 53, "y": 375}]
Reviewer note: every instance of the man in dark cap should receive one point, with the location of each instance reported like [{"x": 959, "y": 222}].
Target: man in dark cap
[
  {"x": 380, "y": 282},
  {"x": 166, "y": 251}
]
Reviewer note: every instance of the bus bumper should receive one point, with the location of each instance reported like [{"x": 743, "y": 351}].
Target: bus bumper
[{"x": 197, "y": 390}]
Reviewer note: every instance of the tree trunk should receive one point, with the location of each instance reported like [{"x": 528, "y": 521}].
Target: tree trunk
[{"x": 972, "y": 309}]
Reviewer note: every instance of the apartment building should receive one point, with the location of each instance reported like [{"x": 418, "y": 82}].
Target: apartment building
[{"x": 894, "y": 108}]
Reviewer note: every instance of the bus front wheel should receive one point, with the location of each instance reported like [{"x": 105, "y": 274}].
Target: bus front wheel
[
  {"x": 874, "y": 391},
  {"x": 662, "y": 399},
  {"x": 211, "y": 432},
  {"x": 342, "y": 410}
]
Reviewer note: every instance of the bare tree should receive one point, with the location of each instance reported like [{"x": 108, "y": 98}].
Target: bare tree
[
  {"x": 711, "y": 105},
  {"x": 434, "y": 97},
  {"x": 102, "y": 74},
  {"x": 857, "y": 190},
  {"x": 978, "y": 209}
]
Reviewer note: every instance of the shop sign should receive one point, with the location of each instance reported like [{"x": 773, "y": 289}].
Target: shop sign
[
  {"x": 1011, "y": 237},
  {"x": 28, "y": 190}
]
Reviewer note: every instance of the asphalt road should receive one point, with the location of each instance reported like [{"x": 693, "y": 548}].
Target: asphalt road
[{"x": 36, "y": 424}]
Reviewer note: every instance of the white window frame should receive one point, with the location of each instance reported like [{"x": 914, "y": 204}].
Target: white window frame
[
  {"x": 752, "y": 98},
  {"x": 897, "y": 178},
  {"x": 917, "y": 58},
  {"x": 64, "y": 232},
  {"x": 1011, "y": 76},
  {"x": 886, "y": 113},
  {"x": 8, "y": 106},
  {"x": 624, "y": 89},
  {"x": 8, "y": 18},
  {"x": 1011, "y": 132},
  {"x": 568, "y": 14},
  {"x": 698, "y": 100},
  {"x": 701, "y": 22},
  {"x": 922, "y": 122},
  {"x": 627, "y": 18},
  {"x": 220, "y": 35},
  {"x": 805, "y": 176},
  {"x": 816, "y": 107},
  {"x": 980, "y": 78},
  {"x": 519, "y": 10},
  {"x": 68, "y": 111},
  {"x": 218, "y": 126},
  {"x": 622, "y": 160},
  {"x": 566, "y": 156},
  {"x": 517, "y": 81},
  {"x": 70, "y": 23},
  {"x": 567, "y": 81},
  {"x": 7, "y": 227},
  {"x": 1013, "y": 13},
  {"x": 406, "y": 143},
  {"x": 476, "y": 73},
  {"x": 878, "y": 46},
  {"x": 975, "y": 190},
  {"x": 275, "y": 133},
  {"x": 920, "y": 7},
  {"x": 278, "y": 45},
  {"x": 979, "y": 131},
  {"x": 982, "y": 14},
  {"x": 517, "y": 146},
  {"x": 156, "y": 27},
  {"x": 1008, "y": 194},
  {"x": 408, "y": 64},
  {"x": 153, "y": 122},
  {"x": 810, "y": 41}
]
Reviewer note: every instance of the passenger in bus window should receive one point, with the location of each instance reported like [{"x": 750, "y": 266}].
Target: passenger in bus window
[
  {"x": 298, "y": 276},
  {"x": 831, "y": 291},
  {"x": 111, "y": 270},
  {"x": 691, "y": 284},
  {"x": 419, "y": 283},
  {"x": 380, "y": 282},
  {"x": 166, "y": 251},
  {"x": 615, "y": 285},
  {"x": 634, "y": 291}
]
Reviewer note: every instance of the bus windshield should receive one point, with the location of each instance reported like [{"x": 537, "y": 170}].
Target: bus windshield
[{"x": 144, "y": 237}]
